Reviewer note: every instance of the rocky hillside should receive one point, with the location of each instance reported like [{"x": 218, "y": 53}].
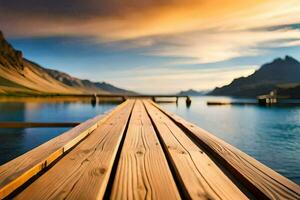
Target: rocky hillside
[
  {"x": 21, "y": 76},
  {"x": 267, "y": 78}
]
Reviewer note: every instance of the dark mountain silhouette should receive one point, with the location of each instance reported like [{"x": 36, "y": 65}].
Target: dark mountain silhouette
[
  {"x": 191, "y": 92},
  {"x": 288, "y": 91},
  {"x": 21, "y": 76},
  {"x": 267, "y": 78}
]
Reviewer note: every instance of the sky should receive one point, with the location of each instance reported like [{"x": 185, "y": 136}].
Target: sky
[{"x": 154, "y": 46}]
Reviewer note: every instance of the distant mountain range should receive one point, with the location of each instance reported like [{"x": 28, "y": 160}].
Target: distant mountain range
[
  {"x": 191, "y": 92},
  {"x": 280, "y": 73},
  {"x": 20, "y": 76}
]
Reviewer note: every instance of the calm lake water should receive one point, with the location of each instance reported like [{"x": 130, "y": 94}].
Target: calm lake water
[
  {"x": 270, "y": 134},
  {"x": 15, "y": 142}
]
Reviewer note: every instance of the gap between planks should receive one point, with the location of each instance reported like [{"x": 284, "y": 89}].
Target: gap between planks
[
  {"x": 84, "y": 172},
  {"x": 143, "y": 171},
  {"x": 18, "y": 171},
  {"x": 199, "y": 175},
  {"x": 260, "y": 180},
  {"x": 190, "y": 151}
]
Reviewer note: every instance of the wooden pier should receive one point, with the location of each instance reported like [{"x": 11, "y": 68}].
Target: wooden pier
[
  {"x": 96, "y": 97},
  {"x": 140, "y": 151}
]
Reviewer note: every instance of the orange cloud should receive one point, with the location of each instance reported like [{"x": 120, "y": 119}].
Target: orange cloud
[
  {"x": 130, "y": 19},
  {"x": 204, "y": 30}
]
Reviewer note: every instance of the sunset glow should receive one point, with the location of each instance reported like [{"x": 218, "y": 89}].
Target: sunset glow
[{"x": 189, "y": 38}]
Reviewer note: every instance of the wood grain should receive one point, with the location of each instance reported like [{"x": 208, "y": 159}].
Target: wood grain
[
  {"x": 203, "y": 166},
  {"x": 199, "y": 175},
  {"x": 143, "y": 171},
  {"x": 84, "y": 172},
  {"x": 262, "y": 181},
  {"x": 16, "y": 172}
]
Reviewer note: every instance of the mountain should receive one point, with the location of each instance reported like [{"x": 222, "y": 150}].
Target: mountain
[
  {"x": 21, "y": 76},
  {"x": 267, "y": 78},
  {"x": 191, "y": 92},
  {"x": 288, "y": 91},
  {"x": 84, "y": 84}
]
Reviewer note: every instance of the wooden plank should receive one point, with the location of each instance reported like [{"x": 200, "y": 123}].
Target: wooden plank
[
  {"x": 143, "y": 171},
  {"x": 16, "y": 172},
  {"x": 200, "y": 177},
  {"x": 262, "y": 181},
  {"x": 37, "y": 124},
  {"x": 84, "y": 172}
]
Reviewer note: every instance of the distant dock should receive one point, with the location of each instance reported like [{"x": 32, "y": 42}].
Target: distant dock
[
  {"x": 140, "y": 151},
  {"x": 264, "y": 100},
  {"x": 278, "y": 104}
]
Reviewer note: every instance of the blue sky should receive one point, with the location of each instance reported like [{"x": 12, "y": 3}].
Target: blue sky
[{"x": 165, "y": 48}]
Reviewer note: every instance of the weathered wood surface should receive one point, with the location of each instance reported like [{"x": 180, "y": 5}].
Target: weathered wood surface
[
  {"x": 37, "y": 124},
  {"x": 199, "y": 175},
  {"x": 84, "y": 172},
  {"x": 162, "y": 157},
  {"x": 143, "y": 171},
  {"x": 263, "y": 182},
  {"x": 16, "y": 172}
]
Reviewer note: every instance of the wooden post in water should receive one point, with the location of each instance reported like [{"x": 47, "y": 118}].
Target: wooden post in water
[
  {"x": 153, "y": 99},
  {"x": 189, "y": 161},
  {"x": 94, "y": 100},
  {"x": 188, "y": 101}
]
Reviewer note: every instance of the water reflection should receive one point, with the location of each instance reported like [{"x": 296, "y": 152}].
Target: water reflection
[
  {"x": 270, "y": 134},
  {"x": 14, "y": 142}
]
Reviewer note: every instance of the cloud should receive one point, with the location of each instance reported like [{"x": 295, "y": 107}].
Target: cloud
[
  {"x": 190, "y": 31},
  {"x": 131, "y": 19},
  {"x": 170, "y": 80},
  {"x": 208, "y": 30},
  {"x": 216, "y": 46}
]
